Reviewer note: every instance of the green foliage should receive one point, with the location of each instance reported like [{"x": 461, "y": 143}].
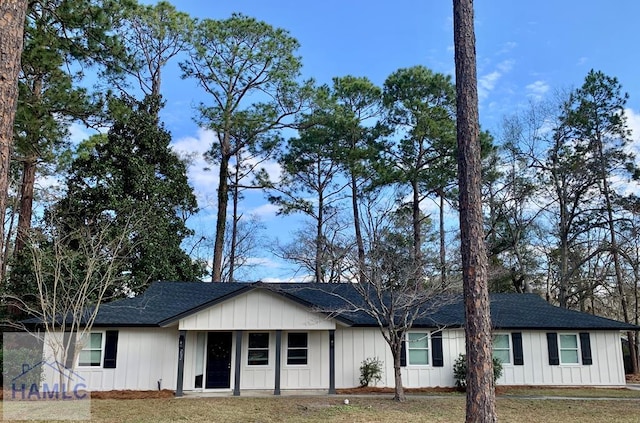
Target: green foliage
[
  {"x": 133, "y": 172},
  {"x": 370, "y": 371},
  {"x": 61, "y": 38},
  {"x": 460, "y": 370},
  {"x": 241, "y": 62},
  {"x": 152, "y": 35},
  {"x": 12, "y": 361}
]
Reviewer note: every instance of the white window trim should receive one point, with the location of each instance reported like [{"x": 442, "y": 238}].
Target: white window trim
[
  {"x": 103, "y": 339},
  {"x": 428, "y": 349},
  {"x": 577, "y": 349},
  {"x": 268, "y": 349},
  {"x": 510, "y": 348},
  {"x": 297, "y": 348}
]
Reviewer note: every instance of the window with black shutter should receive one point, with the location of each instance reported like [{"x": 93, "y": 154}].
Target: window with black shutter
[{"x": 110, "y": 349}]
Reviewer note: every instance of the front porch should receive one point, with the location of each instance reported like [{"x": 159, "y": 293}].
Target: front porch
[{"x": 259, "y": 341}]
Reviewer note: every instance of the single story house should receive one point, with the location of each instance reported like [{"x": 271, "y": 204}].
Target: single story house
[{"x": 198, "y": 336}]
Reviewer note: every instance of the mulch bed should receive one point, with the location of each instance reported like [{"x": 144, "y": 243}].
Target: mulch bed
[
  {"x": 124, "y": 394},
  {"x": 366, "y": 390},
  {"x": 633, "y": 378},
  {"x": 166, "y": 393}
]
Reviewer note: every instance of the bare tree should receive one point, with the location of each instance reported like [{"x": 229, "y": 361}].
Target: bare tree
[
  {"x": 74, "y": 272},
  {"x": 325, "y": 257},
  {"x": 481, "y": 405},
  {"x": 241, "y": 246},
  {"x": 12, "y": 15}
]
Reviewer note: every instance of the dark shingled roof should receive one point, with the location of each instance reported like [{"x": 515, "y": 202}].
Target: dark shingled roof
[{"x": 164, "y": 303}]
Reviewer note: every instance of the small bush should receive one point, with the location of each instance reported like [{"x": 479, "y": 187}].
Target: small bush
[
  {"x": 370, "y": 371},
  {"x": 14, "y": 360},
  {"x": 460, "y": 370}
]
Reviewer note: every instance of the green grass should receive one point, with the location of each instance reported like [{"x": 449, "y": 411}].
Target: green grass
[{"x": 624, "y": 406}]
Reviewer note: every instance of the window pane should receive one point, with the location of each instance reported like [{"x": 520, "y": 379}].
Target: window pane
[
  {"x": 297, "y": 356},
  {"x": 89, "y": 358},
  {"x": 258, "y": 340},
  {"x": 569, "y": 356},
  {"x": 258, "y": 357},
  {"x": 502, "y": 355},
  {"x": 418, "y": 357},
  {"x": 95, "y": 341},
  {"x": 568, "y": 341},
  {"x": 297, "y": 340},
  {"x": 418, "y": 340},
  {"x": 84, "y": 359},
  {"x": 501, "y": 341},
  {"x": 95, "y": 357}
]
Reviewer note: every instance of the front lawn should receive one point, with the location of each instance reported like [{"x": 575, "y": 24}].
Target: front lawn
[{"x": 513, "y": 406}]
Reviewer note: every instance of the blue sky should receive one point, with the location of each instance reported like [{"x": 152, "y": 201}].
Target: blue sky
[{"x": 526, "y": 50}]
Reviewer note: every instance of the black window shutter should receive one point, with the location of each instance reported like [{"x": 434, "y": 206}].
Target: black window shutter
[
  {"x": 552, "y": 345},
  {"x": 68, "y": 363},
  {"x": 585, "y": 347},
  {"x": 436, "y": 349},
  {"x": 110, "y": 349},
  {"x": 403, "y": 354},
  {"x": 518, "y": 356}
]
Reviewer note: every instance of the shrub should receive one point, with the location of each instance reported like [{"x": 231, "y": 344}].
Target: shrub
[
  {"x": 12, "y": 366},
  {"x": 370, "y": 371},
  {"x": 460, "y": 370}
]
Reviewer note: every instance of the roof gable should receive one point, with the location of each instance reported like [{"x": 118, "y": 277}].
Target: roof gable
[{"x": 256, "y": 309}]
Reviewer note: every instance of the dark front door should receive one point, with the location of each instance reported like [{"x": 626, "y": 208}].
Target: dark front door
[{"x": 218, "y": 360}]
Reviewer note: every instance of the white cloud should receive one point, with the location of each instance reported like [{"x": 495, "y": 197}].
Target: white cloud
[
  {"x": 263, "y": 262},
  {"x": 623, "y": 185},
  {"x": 537, "y": 89},
  {"x": 505, "y": 66},
  {"x": 507, "y": 47},
  {"x": 633, "y": 121},
  {"x": 202, "y": 176},
  {"x": 265, "y": 211},
  {"x": 488, "y": 82},
  {"x": 78, "y": 132}
]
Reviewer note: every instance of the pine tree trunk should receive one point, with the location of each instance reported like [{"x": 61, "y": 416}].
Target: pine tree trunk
[
  {"x": 357, "y": 229},
  {"x": 616, "y": 254},
  {"x": 221, "y": 220},
  {"x": 443, "y": 246},
  {"x": 26, "y": 203},
  {"x": 416, "y": 261},
  {"x": 320, "y": 242},
  {"x": 480, "y": 386},
  {"x": 12, "y": 16}
]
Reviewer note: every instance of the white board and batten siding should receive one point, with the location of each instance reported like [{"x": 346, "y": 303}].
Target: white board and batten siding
[
  {"x": 145, "y": 356},
  {"x": 257, "y": 310},
  {"x": 607, "y": 368},
  {"x": 263, "y": 311},
  {"x": 354, "y": 345}
]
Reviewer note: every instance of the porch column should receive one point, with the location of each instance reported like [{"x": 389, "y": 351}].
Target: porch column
[
  {"x": 276, "y": 390},
  {"x": 332, "y": 361},
  {"x": 182, "y": 335},
  {"x": 236, "y": 383}
]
